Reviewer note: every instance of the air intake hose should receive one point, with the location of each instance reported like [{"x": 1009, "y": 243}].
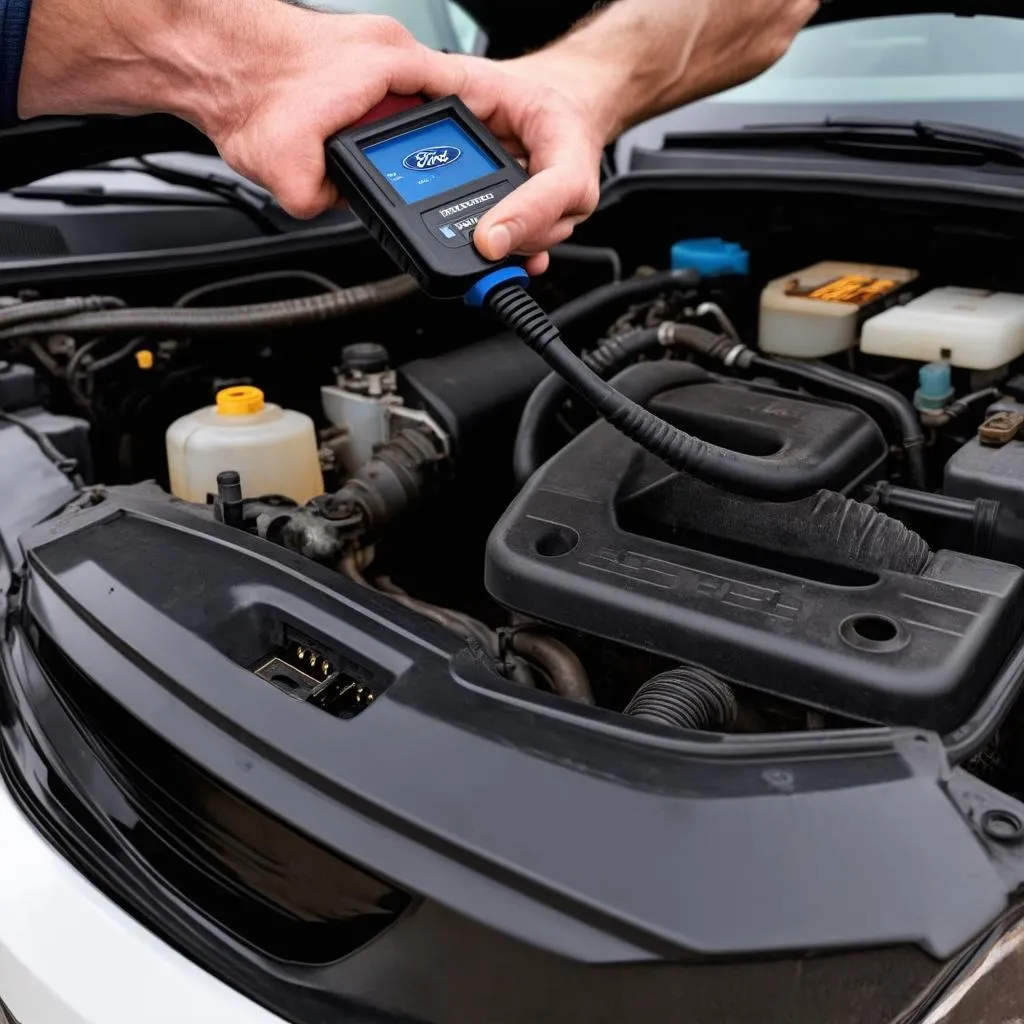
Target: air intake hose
[{"x": 687, "y": 697}]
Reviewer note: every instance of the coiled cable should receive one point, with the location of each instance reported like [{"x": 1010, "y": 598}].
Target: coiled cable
[{"x": 517, "y": 310}]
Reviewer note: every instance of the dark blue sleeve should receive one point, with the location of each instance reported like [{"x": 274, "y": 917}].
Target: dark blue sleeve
[{"x": 13, "y": 30}]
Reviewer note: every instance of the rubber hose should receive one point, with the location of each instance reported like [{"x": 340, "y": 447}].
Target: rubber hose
[
  {"x": 689, "y": 698},
  {"x": 221, "y": 319},
  {"x": 54, "y": 309},
  {"x": 688, "y": 454},
  {"x": 896, "y": 405},
  {"x": 633, "y": 290},
  {"x": 963, "y": 405},
  {"x": 607, "y": 358},
  {"x": 568, "y": 676}
]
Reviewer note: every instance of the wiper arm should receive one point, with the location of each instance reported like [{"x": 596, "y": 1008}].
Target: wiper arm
[
  {"x": 978, "y": 142},
  {"x": 250, "y": 200},
  {"x": 98, "y": 195}
]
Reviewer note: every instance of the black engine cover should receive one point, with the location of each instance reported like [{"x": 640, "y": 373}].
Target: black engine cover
[{"x": 586, "y": 547}]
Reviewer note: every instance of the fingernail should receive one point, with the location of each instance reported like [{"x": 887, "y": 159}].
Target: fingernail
[{"x": 499, "y": 241}]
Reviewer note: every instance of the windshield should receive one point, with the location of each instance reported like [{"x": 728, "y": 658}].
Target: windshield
[
  {"x": 932, "y": 58},
  {"x": 938, "y": 67}
]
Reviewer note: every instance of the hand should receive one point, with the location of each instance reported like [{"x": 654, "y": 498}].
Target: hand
[
  {"x": 268, "y": 82},
  {"x": 558, "y": 135},
  {"x": 562, "y": 105}
]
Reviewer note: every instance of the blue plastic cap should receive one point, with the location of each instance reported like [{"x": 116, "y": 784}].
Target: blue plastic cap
[
  {"x": 935, "y": 386},
  {"x": 477, "y": 295},
  {"x": 710, "y": 257}
]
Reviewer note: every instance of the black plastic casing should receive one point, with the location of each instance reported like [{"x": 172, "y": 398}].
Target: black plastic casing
[
  {"x": 450, "y": 788},
  {"x": 568, "y": 551},
  {"x": 445, "y": 271}
]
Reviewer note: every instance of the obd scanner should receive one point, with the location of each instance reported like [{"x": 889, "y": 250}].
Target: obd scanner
[{"x": 421, "y": 181}]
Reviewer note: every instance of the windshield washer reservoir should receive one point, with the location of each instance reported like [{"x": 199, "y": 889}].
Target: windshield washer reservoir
[
  {"x": 965, "y": 327},
  {"x": 274, "y": 450},
  {"x": 820, "y": 311}
]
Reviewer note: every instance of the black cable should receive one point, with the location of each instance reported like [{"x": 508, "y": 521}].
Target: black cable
[
  {"x": 247, "y": 280},
  {"x": 606, "y": 359},
  {"x": 957, "y": 408},
  {"x": 896, "y": 405},
  {"x": 74, "y": 364},
  {"x": 68, "y": 466},
  {"x": 44, "y": 310},
  {"x": 226, "y": 319},
  {"x": 733, "y": 354},
  {"x": 519, "y": 312}
]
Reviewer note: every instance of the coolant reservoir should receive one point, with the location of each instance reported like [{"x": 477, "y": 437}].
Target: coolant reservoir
[
  {"x": 819, "y": 311},
  {"x": 974, "y": 330},
  {"x": 274, "y": 450}
]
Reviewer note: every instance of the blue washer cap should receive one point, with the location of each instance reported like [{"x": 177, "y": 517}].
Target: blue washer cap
[
  {"x": 935, "y": 386},
  {"x": 477, "y": 295},
  {"x": 710, "y": 257}
]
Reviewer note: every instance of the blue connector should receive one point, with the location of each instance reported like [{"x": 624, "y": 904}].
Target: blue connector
[
  {"x": 935, "y": 387},
  {"x": 477, "y": 295},
  {"x": 710, "y": 257}
]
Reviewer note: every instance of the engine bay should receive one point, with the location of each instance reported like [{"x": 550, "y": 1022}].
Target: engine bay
[{"x": 867, "y": 571}]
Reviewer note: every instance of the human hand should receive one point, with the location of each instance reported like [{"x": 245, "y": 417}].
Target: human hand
[
  {"x": 562, "y": 105},
  {"x": 558, "y": 136},
  {"x": 269, "y": 82}
]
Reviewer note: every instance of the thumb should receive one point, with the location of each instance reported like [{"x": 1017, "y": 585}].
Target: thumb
[{"x": 527, "y": 219}]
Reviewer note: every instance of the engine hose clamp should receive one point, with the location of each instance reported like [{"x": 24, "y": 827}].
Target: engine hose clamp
[{"x": 733, "y": 355}]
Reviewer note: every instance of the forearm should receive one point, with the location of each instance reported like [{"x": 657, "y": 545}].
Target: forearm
[
  {"x": 637, "y": 58},
  {"x": 184, "y": 57},
  {"x": 268, "y": 82}
]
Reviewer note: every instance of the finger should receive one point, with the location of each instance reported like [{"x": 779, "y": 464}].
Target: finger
[
  {"x": 561, "y": 232},
  {"x": 567, "y": 185},
  {"x": 538, "y": 264}
]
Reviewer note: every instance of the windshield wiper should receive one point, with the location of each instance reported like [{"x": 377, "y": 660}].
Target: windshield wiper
[
  {"x": 207, "y": 187},
  {"x": 254, "y": 202},
  {"x": 99, "y": 195},
  {"x": 977, "y": 144}
]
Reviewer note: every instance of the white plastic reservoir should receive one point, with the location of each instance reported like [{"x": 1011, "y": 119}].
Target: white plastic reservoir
[
  {"x": 975, "y": 330},
  {"x": 273, "y": 449},
  {"x": 819, "y": 311}
]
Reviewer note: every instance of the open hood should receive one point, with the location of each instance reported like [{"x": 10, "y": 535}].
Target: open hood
[{"x": 854, "y": 10}]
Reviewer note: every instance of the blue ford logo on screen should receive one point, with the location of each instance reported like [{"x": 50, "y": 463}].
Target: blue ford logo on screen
[{"x": 431, "y": 158}]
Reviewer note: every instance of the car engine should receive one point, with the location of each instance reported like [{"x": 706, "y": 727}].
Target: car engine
[{"x": 867, "y": 569}]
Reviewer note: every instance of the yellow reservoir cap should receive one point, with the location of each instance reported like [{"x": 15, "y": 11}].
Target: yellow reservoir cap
[
  {"x": 144, "y": 359},
  {"x": 242, "y": 401}
]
